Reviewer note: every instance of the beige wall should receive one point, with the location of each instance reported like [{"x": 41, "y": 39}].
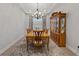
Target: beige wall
[
  {"x": 12, "y": 24},
  {"x": 72, "y": 11}
]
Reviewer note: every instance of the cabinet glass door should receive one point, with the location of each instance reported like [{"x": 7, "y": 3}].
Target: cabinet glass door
[
  {"x": 62, "y": 25},
  {"x": 57, "y": 24},
  {"x": 52, "y": 24}
]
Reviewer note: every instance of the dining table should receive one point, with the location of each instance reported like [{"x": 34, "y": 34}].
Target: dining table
[{"x": 30, "y": 37}]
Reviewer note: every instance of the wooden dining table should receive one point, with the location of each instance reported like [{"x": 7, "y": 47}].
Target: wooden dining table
[{"x": 31, "y": 36}]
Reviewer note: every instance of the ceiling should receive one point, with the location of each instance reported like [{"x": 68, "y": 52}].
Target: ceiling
[{"x": 30, "y": 8}]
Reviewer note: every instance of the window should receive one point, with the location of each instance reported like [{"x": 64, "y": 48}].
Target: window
[{"x": 37, "y": 24}]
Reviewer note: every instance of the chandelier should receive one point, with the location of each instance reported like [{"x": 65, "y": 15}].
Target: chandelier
[{"x": 37, "y": 14}]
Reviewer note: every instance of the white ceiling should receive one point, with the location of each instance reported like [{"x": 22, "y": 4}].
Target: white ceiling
[{"x": 30, "y": 8}]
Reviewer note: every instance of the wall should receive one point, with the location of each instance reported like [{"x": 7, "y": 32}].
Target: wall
[
  {"x": 48, "y": 23},
  {"x": 12, "y": 24},
  {"x": 26, "y": 22},
  {"x": 72, "y": 11}
]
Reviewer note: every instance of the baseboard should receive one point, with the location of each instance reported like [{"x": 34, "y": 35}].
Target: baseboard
[
  {"x": 11, "y": 44},
  {"x": 73, "y": 50}
]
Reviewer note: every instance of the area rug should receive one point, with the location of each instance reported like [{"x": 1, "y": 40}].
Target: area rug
[{"x": 20, "y": 49}]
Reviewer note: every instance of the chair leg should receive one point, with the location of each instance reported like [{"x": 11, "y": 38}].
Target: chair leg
[
  {"x": 48, "y": 45},
  {"x": 27, "y": 45}
]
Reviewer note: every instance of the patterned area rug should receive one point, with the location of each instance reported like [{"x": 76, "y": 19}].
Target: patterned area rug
[{"x": 20, "y": 49}]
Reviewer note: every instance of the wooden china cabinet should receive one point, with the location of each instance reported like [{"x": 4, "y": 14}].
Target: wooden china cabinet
[{"x": 58, "y": 28}]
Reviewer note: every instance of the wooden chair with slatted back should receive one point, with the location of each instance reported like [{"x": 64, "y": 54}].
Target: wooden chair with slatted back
[{"x": 38, "y": 40}]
